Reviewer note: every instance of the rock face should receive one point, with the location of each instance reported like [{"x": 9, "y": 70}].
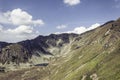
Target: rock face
[
  {"x": 14, "y": 53},
  {"x": 31, "y": 50}
]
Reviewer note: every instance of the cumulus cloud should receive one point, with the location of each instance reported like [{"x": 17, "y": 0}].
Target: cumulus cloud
[
  {"x": 82, "y": 29},
  {"x": 78, "y": 30},
  {"x": 17, "y": 34},
  {"x": 61, "y": 27},
  {"x": 21, "y": 30},
  {"x": 23, "y": 23},
  {"x": 19, "y": 17},
  {"x": 71, "y": 2},
  {"x": 3, "y": 19},
  {"x": 93, "y": 26},
  {"x": 1, "y": 27}
]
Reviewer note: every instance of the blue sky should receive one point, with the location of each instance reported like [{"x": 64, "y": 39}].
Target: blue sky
[{"x": 51, "y": 16}]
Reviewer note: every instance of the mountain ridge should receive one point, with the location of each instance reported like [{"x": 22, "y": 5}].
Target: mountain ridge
[
  {"x": 93, "y": 55},
  {"x": 23, "y": 51}
]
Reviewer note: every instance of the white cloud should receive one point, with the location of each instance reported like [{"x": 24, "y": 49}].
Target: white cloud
[
  {"x": 19, "y": 17},
  {"x": 18, "y": 34},
  {"x": 82, "y": 29},
  {"x": 93, "y": 26},
  {"x": 3, "y": 19},
  {"x": 1, "y": 27},
  {"x": 21, "y": 30},
  {"x": 23, "y": 24},
  {"x": 71, "y": 2},
  {"x": 78, "y": 30},
  {"x": 61, "y": 27}
]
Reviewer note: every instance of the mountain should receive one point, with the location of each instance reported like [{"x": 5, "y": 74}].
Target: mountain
[
  {"x": 3, "y": 44},
  {"x": 33, "y": 52},
  {"x": 96, "y": 57},
  {"x": 93, "y": 55}
]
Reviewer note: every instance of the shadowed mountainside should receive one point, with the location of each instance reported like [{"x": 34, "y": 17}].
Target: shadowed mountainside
[{"x": 34, "y": 51}]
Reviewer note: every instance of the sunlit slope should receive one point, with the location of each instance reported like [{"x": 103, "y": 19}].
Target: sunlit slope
[{"x": 94, "y": 55}]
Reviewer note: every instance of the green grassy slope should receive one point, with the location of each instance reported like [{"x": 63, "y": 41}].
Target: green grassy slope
[{"x": 97, "y": 58}]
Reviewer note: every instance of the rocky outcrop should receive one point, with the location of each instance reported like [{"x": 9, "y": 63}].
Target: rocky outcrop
[{"x": 14, "y": 53}]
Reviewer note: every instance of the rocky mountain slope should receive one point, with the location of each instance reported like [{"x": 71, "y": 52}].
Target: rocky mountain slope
[
  {"x": 93, "y": 55},
  {"x": 33, "y": 52}
]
